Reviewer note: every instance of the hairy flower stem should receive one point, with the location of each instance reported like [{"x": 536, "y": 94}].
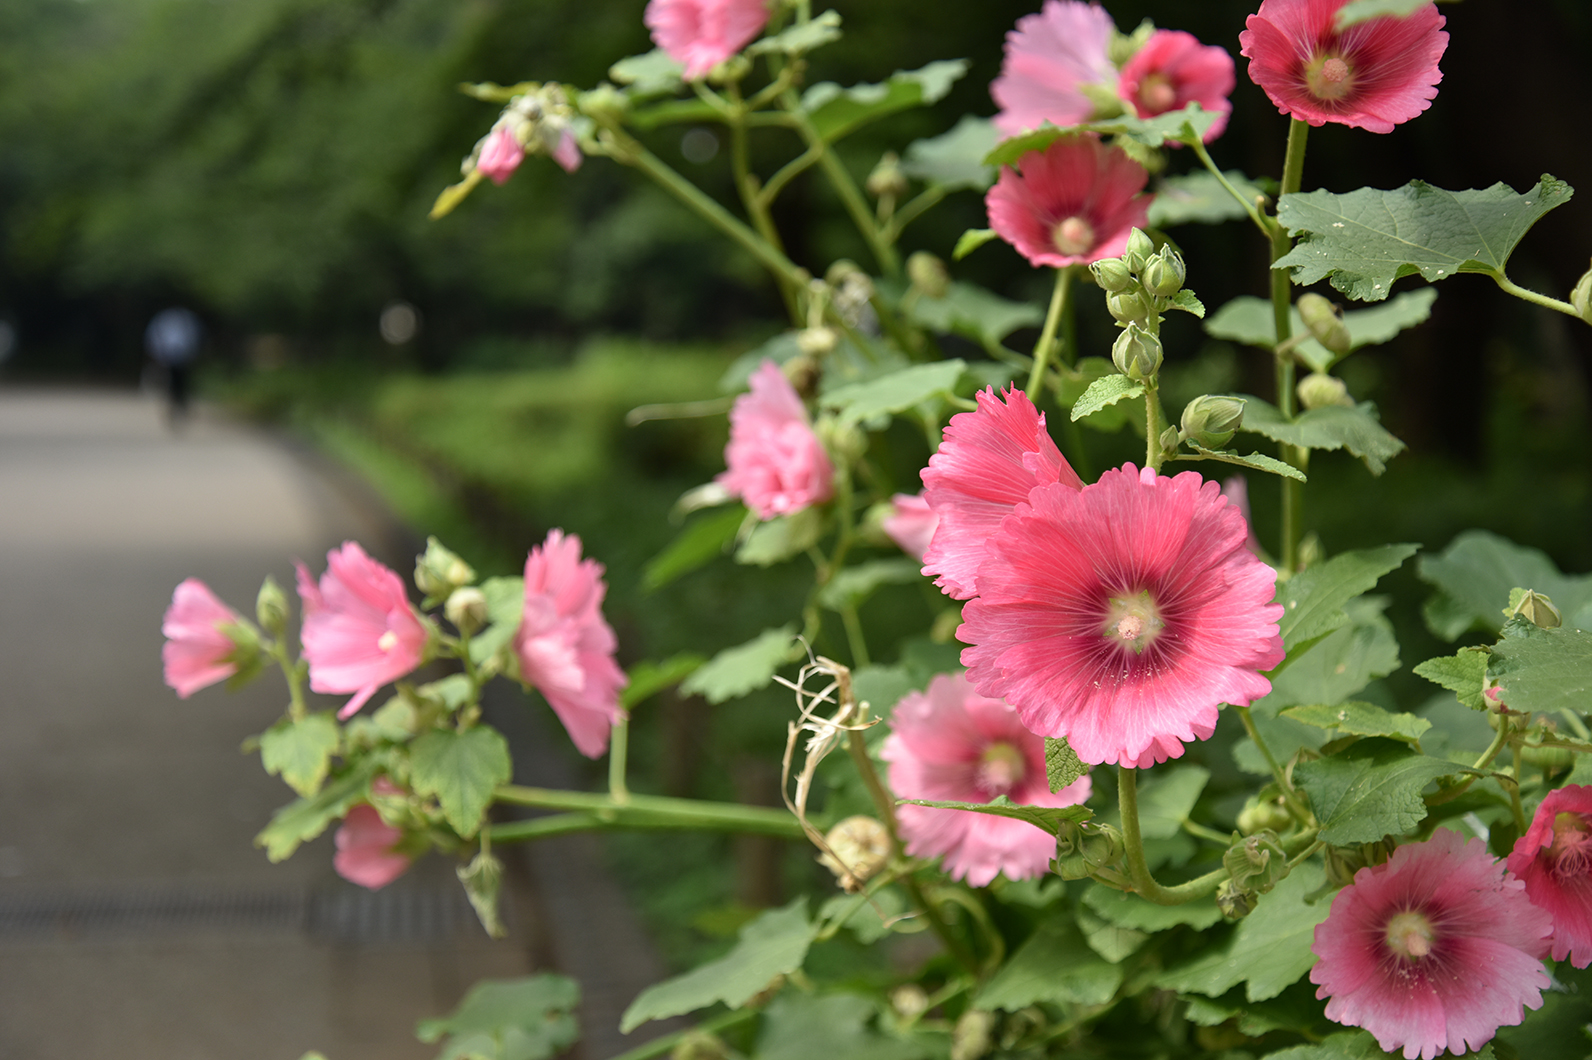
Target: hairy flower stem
[
  {"x": 642, "y": 812},
  {"x": 1144, "y": 885},
  {"x": 1153, "y": 453},
  {"x": 1281, "y": 306},
  {"x": 1047, "y": 334},
  {"x": 1533, "y": 297},
  {"x": 1289, "y": 797}
]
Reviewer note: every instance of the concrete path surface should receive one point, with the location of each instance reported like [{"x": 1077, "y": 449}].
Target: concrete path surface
[{"x": 137, "y": 920}]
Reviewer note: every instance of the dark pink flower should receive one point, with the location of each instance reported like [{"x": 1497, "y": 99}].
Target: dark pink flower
[
  {"x": 1050, "y": 57},
  {"x": 1374, "y": 75},
  {"x": 911, "y": 523},
  {"x": 987, "y": 464},
  {"x": 565, "y": 646},
  {"x": 359, "y": 630},
  {"x": 1554, "y": 860},
  {"x": 950, "y": 744},
  {"x": 1122, "y": 615},
  {"x": 365, "y": 849},
  {"x": 501, "y": 154},
  {"x": 1174, "y": 69},
  {"x": 774, "y": 462},
  {"x": 1073, "y": 203},
  {"x": 700, "y": 34},
  {"x": 197, "y": 653},
  {"x": 1435, "y": 949}
]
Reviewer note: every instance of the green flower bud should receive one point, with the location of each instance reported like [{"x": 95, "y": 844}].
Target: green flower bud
[
  {"x": 698, "y": 1044},
  {"x": 1140, "y": 247},
  {"x": 1170, "y": 439},
  {"x": 1235, "y": 900},
  {"x": 730, "y": 71},
  {"x": 1136, "y": 353},
  {"x": 466, "y": 609},
  {"x": 841, "y": 270},
  {"x": 815, "y": 342},
  {"x": 973, "y": 1035},
  {"x": 1129, "y": 305},
  {"x": 605, "y": 104},
  {"x": 1258, "y": 816},
  {"x": 1112, "y": 275},
  {"x": 860, "y": 847},
  {"x": 1581, "y": 297},
  {"x": 1319, "y": 390},
  {"x": 846, "y": 442},
  {"x": 1325, "y": 323},
  {"x": 1081, "y": 850},
  {"x": 270, "y": 607},
  {"x": 1256, "y": 864},
  {"x": 887, "y": 177},
  {"x": 1211, "y": 421},
  {"x": 1534, "y": 608},
  {"x": 928, "y": 274},
  {"x": 438, "y": 571},
  {"x": 482, "y": 880},
  {"x": 909, "y": 1000},
  {"x": 1164, "y": 273}
]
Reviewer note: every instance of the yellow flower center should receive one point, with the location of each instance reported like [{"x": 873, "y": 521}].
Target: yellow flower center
[
  {"x": 1329, "y": 77},
  {"x": 1132, "y": 621},
  {"x": 1410, "y": 935},
  {"x": 387, "y": 641},
  {"x": 1074, "y": 236}
]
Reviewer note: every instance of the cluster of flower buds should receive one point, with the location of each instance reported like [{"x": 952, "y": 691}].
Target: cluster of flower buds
[
  {"x": 538, "y": 121},
  {"x": 1255, "y": 865},
  {"x": 1140, "y": 286}
]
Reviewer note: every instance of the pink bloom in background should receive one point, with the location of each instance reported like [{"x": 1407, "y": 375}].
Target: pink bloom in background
[
  {"x": 987, "y": 464},
  {"x": 1073, "y": 203},
  {"x": 196, "y": 651},
  {"x": 359, "y": 630},
  {"x": 1236, "y": 490},
  {"x": 365, "y": 853},
  {"x": 1434, "y": 949},
  {"x": 1372, "y": 76},
  {"x": 1049, "y": 56},
  {"x": 1174, "y": 69},
  {"x": 500, "y": 156},
  {"x": 1122, "y": 615},
  {"x": 1554, "y": 861},
  {"x": 567, "y": 151},
  {"x": 911, "y": 523},
  {"x": 774, "y": 462},
  {"x": 700, "y": 34},
  {"x": 565, "y": 647},
  {"x": 951, "y": 744}
]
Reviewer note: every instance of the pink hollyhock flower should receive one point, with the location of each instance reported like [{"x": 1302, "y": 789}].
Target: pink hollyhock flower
[
  {"x": 1436, "y": 948},
  {"x": 700, "y": 34},
  {"x": 359, "y": 630},
  {"x": 1049, "y": 57},
  {"x": 365, "y": 849},
  {"x": 911, "y": 523},
  {"x": 1073, "y": 203},
  {"x": 1554, "y": 861},
  {"x": 951, "y": 744},
  {"x": 567, "y": 151},
  {"x": 987, "y": 464},
  {"x": 1122, "y": 615},
  {"x": 565, "y": 647},
  {"x": 1236, "y": 490},
  {"x": 774, "y": 461},
  {"x": 501, "y": 154},
  {"x": 197, "y": 653},
  {"x": 1174, "y": 69},
  {"x": 1372, "y": 76}
]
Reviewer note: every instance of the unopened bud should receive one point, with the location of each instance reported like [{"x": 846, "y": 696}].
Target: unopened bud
[
  {"x": 1534, "y": 608},
  {"x": 482, "y": 880},
  {"x": 816, "y": 342},
  {"x": 909, "y": 1000},
  {"x": 1324, "y": 322},
  {"x": 1139, "y": 249},
  {"x": 438, "y": 571},
  {"x": 605, "y": 104},
  {"x": 1129, "y": 304},
  {"x": 270, "y": 607},
  {"x": 860, "y": 847},
  {"x": 928, "y": 274},
  {"x": 466, "y": 609},
  {"x": 887, "y": 177},
  {"x": 1112, "y": 275},
  {"x": 1211, "y": 421},
  {"x": 841, "y": 270},
  {"x": 1164, "y": 273},
  {"x": 972, "y": 1037},
  {"x": 1581, "y": 297},
  {"x": 1258, "y": 816},
  {"x": 844, "y": 440},
  {"x": 1170, "y": 440},
  {"x": 1320, "y": 390},
  {"x": 1235, "y": 900},
  {"x": 699, "y": 1044},
  {"x": 1136, "y": 353}
]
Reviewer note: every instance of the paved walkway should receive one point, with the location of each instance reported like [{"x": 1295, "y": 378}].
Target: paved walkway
[{"x": 136, "y": 918}]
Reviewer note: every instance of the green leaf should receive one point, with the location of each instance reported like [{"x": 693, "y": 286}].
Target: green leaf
[
  {"x": 704, "y": 539},
  {"x": 798, "y": 1026},
  {"x": 1370, "y": 790},
  {"x": 779, "y": 349},
  {"x": 895, "y": 392},
  {"x": 1258, "y": 461},
  {"x": 1131, "y": 911},
  {"x": 773, "y": 944},
  {"x": 971, "y": 240},
  {"x": 672, "y": 112},
  {"x": 955, "y": 159},
  {"x": 974, "y": 313},
  {"x": 509, "y": 1019},
  {"x": 1054, "y": 966},
  {"x": 1166, "y": 799},
  {"x": 1463, "y": 673},
  {"x": 505, "y": 609},
  {"x": 1361, "y": 719},
  {"x": 1348, "y": 1045},
  {"x": 1284, "y": 737},
  {"x": 881, "y": 687},
  {"x": 836, "y": 111},
  {"x": 1111, "y": 941},
  {"x": 1186, "y": 301},
  {"x": 1062, "y": 765},
  {"x": 1367, "y": 239},
  {"x": 1269, "y": 950},
  {"x": 1331, "y": 427},
  {"x": 1047, "y": 817},
  {"x": 778, "y": 539},
  {"x": 460, "y": 769},
  {"x": 1478, "y": 569},
  {"x": 1199, "y": 198},
  {"x": 1547, "y": 671},
  {"x": 1076, "y": 381},
  {"x": 1357, "y": 11},
  {"x": 1313, "y": 599},
  {"x": 801, "y": 38},
  {"x": 647, "y": 679},
  {"x": 1340, "y": 664},
  {"x": 1104, "y": 392},
  {"x": 852, "y": 585},
  {"x": 304, "y": 819},
  {"x": 651, "y": 74},
  {"x": 1249, "y": 320},
  {"x": 300, "y": 751},
  {"x": 1152, "y": 132},
  {"x": 734, "y": 672},
  {"x": 865, "y": 920}
]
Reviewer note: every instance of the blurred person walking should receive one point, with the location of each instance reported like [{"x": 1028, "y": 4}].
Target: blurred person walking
[{"x": 172, "y": 340}]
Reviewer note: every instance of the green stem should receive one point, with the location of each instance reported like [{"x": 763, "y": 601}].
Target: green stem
[
  {"x": 1305, "y": 855},
  {"x": 751, "y": 199},
  {"x": 1289, "y": 796},
  {"x": 1442, "y": 795},
  {"x": 912, "y": 211},
  {"x": 1533, "y": 297},
  {"x": 1221, "y": 178},
  {"x": 854, "y": 637},
  {"x": 618, "y": 753},
  {"x": 296, "y": 708},
  {"x": 1047, "y": 334},
  {"x": 656, "y": 811},
  {"x": 1202, "y": 832},
  {"x": 1281, "y": 305},
  {"x": 546, "y": 827},
  {"x": 1514, "y": 793},
  {"x": 845, "y": 187},
  {"x": 660, "y": 1046},
  {"x": 1154, "y": 456},
  {"x": 1144, "y": 885}
]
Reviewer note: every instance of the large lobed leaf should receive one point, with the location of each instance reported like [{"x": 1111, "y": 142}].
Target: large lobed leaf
[
  {"x": 1152, "y": 132},
  {"x": 836, "y": 111},
  {"x": 955, "y": 159},
  {"x": 1047, "y": 817},
  {"x": 1249, "y": 320},
  {"x": 1476, "y": 572},
  {"x": 974, "y": 313},
  {"x": 1313, "y": 599},
  {"x": 509, "y": 1019},
  {"x": 1198, "y": 197},
  {"x": 304, "y": 819},
  {"x": 1357, "y": 718},
  {"x": 734, "y": 672},
  {"x": 1054, "y": 966},
  {"x": 1370, "y": 790},
  {"x": 301, "y": 751},
  {"x": 799, "y": 1026},
  {"x": 460, "y": 769},
  {"x": 1544, "y": 670},
  {"x": 895, "y": 392},
  {"x": 1330, "y": 427}
]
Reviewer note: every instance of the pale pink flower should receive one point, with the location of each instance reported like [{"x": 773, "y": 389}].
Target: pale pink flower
[
  {"x": 950, "y": 744},
  {"x": 1373, "y": 76},
  {"x": 1436, "y": 948},
  {"x": 1049, "y": 57},
  {"x": 359, "y": 630},
  {"x": 700, "y": 34},
  {"x": 197, "y": 653},
  {"x": 1174, "y": 69},
  {"x": 911, "y": 523},
  {"x": 565, "y": 646},
  {"x": 365, "y": 849},
  {"x": 774, "y": 462},
  {"x": 987, "y": 464},
  {"x": 567, "y": 151},
  {"x": 501, "y": 154},
  {"x": 1554, "y": 861},
  {"x": 1236, "y": 490},
  {"x": 1122, "y": 615},
  {"x": 1073, "y": 203}
]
